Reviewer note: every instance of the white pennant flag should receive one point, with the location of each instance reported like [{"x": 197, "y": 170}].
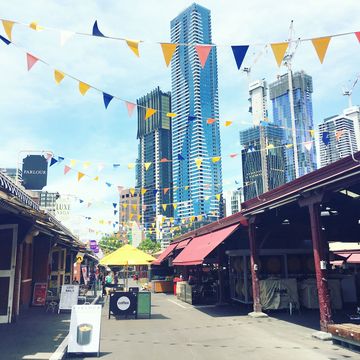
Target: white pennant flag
[
  {"x": 65, "y": 36},
  {"x": 308, "y": 145}
]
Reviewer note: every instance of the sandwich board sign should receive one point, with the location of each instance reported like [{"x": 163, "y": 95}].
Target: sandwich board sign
[
  {"x": 68, "y": 297},
  {"x": 84, "y": 334}
]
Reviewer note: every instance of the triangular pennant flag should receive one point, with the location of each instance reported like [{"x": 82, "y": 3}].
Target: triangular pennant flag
[
  {"x": 65, "y": 36},
  {"x": 132, "y": 191},
  {"x": 120, "y": 189},
  {"x": 115, "y": 166},
  {"x": 326, "y": 137},
  {"x": 58, "y": 75},
  {"x": 269, "y": 147},
  {"x": 139, "y": 217},
  {"x": 115, "y": 212},
  {"x": 149, "y": 112},
  {"x": 308, "y": 145},
  {"x": 218, "y": 197},
  {"x": 114, "y": 205},
  {"x": 166, "y": 190},
  {"x": 234, "y": 155},
  {"x": 279, "y": 50},
  {"x": 53, "y": 161},
  {"x": 134, "y": 46},
  {"x": 143, "y": 191},
  {"x": 60, "y": 159},
  {"x": 134, "y": 206},
  {"x": 239, "y": 54},
  {"x": 192, "y": 218},
  {"x": 89, "y": 204},
  {"x": 215, "y": 159},
  {"x": 131, "y": 166},
  {"x": 164, "y": 160},
  {"x": 130, "y": 107},
  {"x": 144, "y": 207},
  {"x": 198, "y": 162},
  {"x": 174, "y": 206},
  {"x": 80, "y": 175},
  {"x": 147, "y": 165},
  {"x": 164, "y": 206},
  {"x": 312, "y": 133},
  {"x": 321, "y": 45},
  {"x": 191, "y": 117},
  {"x": 228, "y": 123},
  {"x": 6, "y": 41},
  {"x": 35, "y": 26},
  {"x": 168, "y": 51},
  {"x": 125, "y": 205},
  {"x": 131, "y": 216},
  {"x": 66, "y": 169},
  {"x": 100, "y": 166},
  {"x": 210, "y": 121},
  {"x": 170, "y": 114},
  {"x": 8, "y": 25},
  {"x": 155, "y": 192},
  {"x": 357, "y": 34},
  {"x": 107, "y": 98},
  {"x": 96, "y": 178},
  {"x": 81, "y": 201},
  {"x": 83, "y": 88},
  {"x": 31, "y": 60},
  {"x": 186, "y": 187},
  {"x": 86, "y": 164},
  {"x": 338, "y": 134},
  {"x": 203, "y": 52},
  {"x": 72, "y": 163},
  {"x": 180, "y": 157},
  {"x": 96, "y": 31}
]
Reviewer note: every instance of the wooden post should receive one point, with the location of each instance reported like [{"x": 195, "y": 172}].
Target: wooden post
[{"x": 254, "y": 264}]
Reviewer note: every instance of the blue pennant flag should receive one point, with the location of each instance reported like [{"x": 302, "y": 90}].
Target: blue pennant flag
[
  {"x": 60, "y": 159},
  {"x": 107, "y": 99},
  {"x": 191, "y": 117},
  {"x": 326, "y": 137},
  {"x": 115, "y": 212},
  {"x": 108, "y": 184},
  {"x": 6, "y": 41},
  {"x": 81, "y": 201},
  {"x": 53, "y": 161},
  {"x": 96, "y": 31},
  {"x": 116, "y": 166},
  {"x": 114, "y": 205},
  {"x": 180, "y": 157},
  {"x": 239, "y": 54},
  {"x": 155, "y": 191},
  {"x": 116, "y": 222}
]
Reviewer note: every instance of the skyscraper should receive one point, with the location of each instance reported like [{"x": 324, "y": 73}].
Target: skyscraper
[
  {"x": 195, "y": 100},
  {"x": 279, "y": 94},
  {"x": 154, "y": 171}
]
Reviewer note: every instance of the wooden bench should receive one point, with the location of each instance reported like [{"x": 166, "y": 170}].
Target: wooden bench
[{"x": 347, "y": 335}]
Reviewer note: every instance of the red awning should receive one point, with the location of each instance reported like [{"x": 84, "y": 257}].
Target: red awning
[
  {"x": 164, "y": 254},
  {"x": 201, "y": 246},
  {"x": 182, "y": 244},
  {"x": 354, "y": 259}
]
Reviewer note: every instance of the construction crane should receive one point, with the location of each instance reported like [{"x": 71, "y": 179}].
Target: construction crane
[{"x": 348, "y": 91}]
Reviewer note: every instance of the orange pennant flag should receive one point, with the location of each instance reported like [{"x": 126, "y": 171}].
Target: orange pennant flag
[
  {"x": 58, "y": 75},
  {"x": 203, "y": 52},
  {"x": 83, "y": 87},
  {"x": 321, "y": 45},
  {"x": 210, "y": 121},
  {"x": 338, "y": 134},
  {"x": 80, "y": 175},
  {"x": 168, "y": 52},
  {"x": 279, "y": 50},
  {"x": 149, "y": 112},
  {"x": 8, "y": 25},
  {"x": 134, "y": 46},
  {"x": 166, "y": 190}
]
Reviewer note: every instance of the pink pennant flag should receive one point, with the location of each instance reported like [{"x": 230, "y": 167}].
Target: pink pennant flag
[
  {"x": 48, "y": 156},
  {"x": 144, "y": 207},
  {"x": 357, "y": 34},
  {"x": 130, "y": 107},
  {"x": 203, "y": 52},
  {"x": 234, "y": 155},
  {"x": 31, "y": 60},
  {"x": 66, "y": 169}
]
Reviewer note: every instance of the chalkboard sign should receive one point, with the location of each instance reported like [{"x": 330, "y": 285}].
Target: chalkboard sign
[{"x": 123, "y": 303}]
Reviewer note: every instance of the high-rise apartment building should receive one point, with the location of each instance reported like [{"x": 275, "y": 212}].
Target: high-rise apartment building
[
  {"x": 232, "y": 202},
  {"x": 353, "y": 113},
  {"x": 154, "y": 171},
  {"x": 258, "y": 101},
  {"x": 195, "y": 100},
  {"x": 302, "y": 89}
]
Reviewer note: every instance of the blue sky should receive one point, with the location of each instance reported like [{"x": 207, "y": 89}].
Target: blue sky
[{"x": 37, "y": 114}]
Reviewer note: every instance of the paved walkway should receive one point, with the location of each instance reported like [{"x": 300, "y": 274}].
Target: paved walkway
[{"x": 180, "y": 331}]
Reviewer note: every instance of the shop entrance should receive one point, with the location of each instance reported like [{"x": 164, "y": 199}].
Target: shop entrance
[
  {"x": 58, "y": 265},
  {"x": 8, "y": 237}
]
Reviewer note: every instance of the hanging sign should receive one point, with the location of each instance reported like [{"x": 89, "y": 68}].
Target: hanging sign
[
  {"x": 84, "y": 334},
  {"x": 39, "y": 294},
  {"x": 68, "y": 297},
  {"x": 34, "y": 172}
]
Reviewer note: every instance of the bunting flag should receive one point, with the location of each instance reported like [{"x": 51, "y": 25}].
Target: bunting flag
[
  {"x": 155, "y": 192},
  {"x": 239, "y": 54},
  {"x": 228, "y": 123},
  {"x": 198, "y": 162},
  {"x": 53, "y": 161},
  {"x": 186, "y": 187},
  {"x": 279, "y": 50},
  {"x": 131, "y": 216},
  {"x": 66, "y": 169},
  {"x": 149, "y": 112},
  {"x": 144, "y": 207},
  {"x": 166, "y": 190},
  {"x": 115, "y": 212},
  {"x": 321, "y": 45},
  {"x": 203, "y": 52},
  {"x": 164, "y": 160},
  {"x": 234, "y": 155},
  {"x": 326, "y": 138},
  {"x": 218, "y": 196},
  {"x": 86, "y": 164},
  {"x": 143, "y": 191},
  {"x": 58, "y": 75},
  {"x": 132, "y": 191},
  {"x": 308, "y": 145},
  {"x": 168, "y": 50},
  {"x": 174, "y": 206},
  {"x": 31, "y": 61},
  {"x": 115, "y": 166},
  {"x": 134, "y": 206},
  {"x": 83, "y": 88},
  {"x": 152, "y": 225},
  {"x": 191, "y": 117},
  {"x": 147, "y": 165},
  {"x": 134, "y": 46},
  {"x": 107, "y": 98},
  {"x": 180, "y": 157},
  {"x": 338, "y": 134},
  {"x": 215, "y": 159},
  {"x": 170, "y": 114},
  {"x": 48, "y": 156},
  {"x": 131, "y": 166},
  {"x": 130, "y": 107},
  {"x": 289, "y": 146},
  {"x": 8, "y": 26},
  {"x": 115, "y": 205},
  {"x": 125, "y": 205},
  {"x": 72, "y": 163},
  {"x": 192, "y": 218},
  {"x": 139, "y": 217},
  {"x": 357, "y": 34},
  {"x": 6, "y": 41},
  {"x": 65, "y": 36},
  {"x": 96, "y": 178},
  {"x": 35, "y": 26},
  {"x": 312, "y": 133},
  {"x": 269, "y": 147},
  {"x": 210, "y": 121},
  {"x": 81, "y": 201},
  {"x": 80, "y": 175},
  {"x": 120, "y": 189},
  {"x": 60, "y": 159},
  {"x": 96, "y": 31},
  {"x": 164, "y": 206}
]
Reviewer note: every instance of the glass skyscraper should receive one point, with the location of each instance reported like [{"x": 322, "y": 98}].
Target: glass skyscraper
[
  {"x": 279, "y": 95},
  {"x": 194, "y": 100}
]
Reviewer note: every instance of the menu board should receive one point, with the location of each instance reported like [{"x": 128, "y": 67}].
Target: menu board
[
  {"x": 39, "y": 294},
  {"x": 84, "y": 334},
  {"x": 68, "y": 297}
]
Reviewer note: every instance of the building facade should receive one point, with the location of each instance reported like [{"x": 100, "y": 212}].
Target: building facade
[
  {"x": 195, "y": 100},
  {"x": 232, "y": 202},
  {"x": 279, "y": 94},
  {"x": 154, "y": 171}
]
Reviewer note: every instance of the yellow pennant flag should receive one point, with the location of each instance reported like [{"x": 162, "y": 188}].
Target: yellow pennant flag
[
  {"x": 147, "y": 165},
  {"x": 134, "y": 206},
  {"x": 312, "y": 133},
  {"x": 192, "y": 218},
  {"x": 215, "y": 159},
  {"x": 164, "y": 206},
  {"x": 72, "y": 163},
  {"x": 270, "y": 146},
  {"x": 289, "y": 146},
  {"x": 8, "y": 25},
  {"x": 131, "y": 166},
  {"x": 171, "y": 220},
  {"x": 86, "y": 164},
  {"x": 125, "y": 205},
  {"x": 228, "y": 123},
  {"x": 143, "y": 191},
  {"x": 174, "y": 206},
  {"x": 134, "y": 46},
  {"x": 58, "y": 75},
  {"x": 34, "y": 25},
  {"x": 169, "y": 114},
  {"x": 168, "y": 51},
  {"x": 139, "y": 217},
  {"x": 149, "y": 112},
  {"x": 83, "y": 88},
  {"x": 321, "y": 45},
  {"x": 96, "y": 178},
  {"x": 132, "y": 191},
  {"x": 200, "y": 217},
  {"x": 131, "y": 216},
  {"x": 198, "y": 162},
  {"x": 218, "y": 196},
  {"x": 186, "y": 187},
  {"x": 80, "y": 175},
  {"x": 153, "y": 225},
  {"x": 279, "y": 50}
]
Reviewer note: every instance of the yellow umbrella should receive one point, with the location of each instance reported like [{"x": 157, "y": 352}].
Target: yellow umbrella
[{"x": 127, "y": 255}]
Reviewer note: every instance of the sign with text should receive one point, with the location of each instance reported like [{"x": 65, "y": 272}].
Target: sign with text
[
  {"x": 84, "y": 334},
  {"x": 68, "y": 297},
  {"x": 39, "y": 294},
  {"x": 123, "y": 303},
  {"x": 34, "y": 172},
  {"x": 63, "y": 208}
]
